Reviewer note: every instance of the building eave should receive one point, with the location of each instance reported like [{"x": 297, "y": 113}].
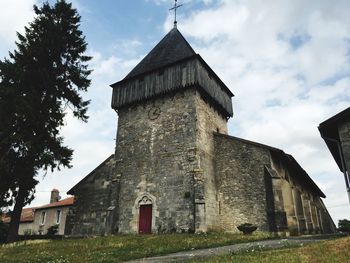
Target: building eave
[
  {"x": 212, "y": 72},
  {"x": 329, "y": 132}
]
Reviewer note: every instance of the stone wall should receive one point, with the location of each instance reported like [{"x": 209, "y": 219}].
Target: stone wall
[
  {"x": 344, "y": 135},
  {"x": 156, "y": 155},
  {"x": 304, "y": 210},
  {"x": 240, "y": 176},
  {"x": 208, "y": 121},
  {"x": 95, "y": 206},
  {"x": 256, "y": 185}
]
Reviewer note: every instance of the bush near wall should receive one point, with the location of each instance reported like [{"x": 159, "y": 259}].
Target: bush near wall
[
  {"x": 4, "y": 229},
  {"x": 344, "y": 225}
]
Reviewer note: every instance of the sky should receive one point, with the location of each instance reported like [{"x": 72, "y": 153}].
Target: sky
[{"x": 287, "y": 62}]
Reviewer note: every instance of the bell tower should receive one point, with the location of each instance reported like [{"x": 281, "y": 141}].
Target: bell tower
[{"x": 168, "y": 106}]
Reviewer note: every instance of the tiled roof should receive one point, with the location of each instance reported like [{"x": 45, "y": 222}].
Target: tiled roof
[
  {"x": 172, "y": 48},
  {"x": 64, "y": 202},
  {"x": 27, "y": 215}
]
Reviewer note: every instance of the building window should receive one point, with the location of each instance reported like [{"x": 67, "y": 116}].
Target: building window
[
  {"x": 58, "y": 216},
  {"x": 42, "y": 218}
]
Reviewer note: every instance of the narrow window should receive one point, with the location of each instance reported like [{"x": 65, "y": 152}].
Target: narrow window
[
  {"x": 58, "y": 216},
  {"x": 42, "y": 218}
]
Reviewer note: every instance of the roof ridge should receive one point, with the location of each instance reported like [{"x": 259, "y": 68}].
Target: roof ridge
[
  {"x": 250, "y": 142},
  {"x": 62, "y": 202}
]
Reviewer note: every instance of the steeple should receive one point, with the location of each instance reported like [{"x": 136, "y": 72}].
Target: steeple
[
  {"x": 172, "y": 48},
  {"x": 172, "y": 65}
]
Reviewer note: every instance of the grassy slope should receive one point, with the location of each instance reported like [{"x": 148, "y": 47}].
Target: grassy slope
[
  {"x": 331, "y": 251},
  {"x": 116, "y": 248}
]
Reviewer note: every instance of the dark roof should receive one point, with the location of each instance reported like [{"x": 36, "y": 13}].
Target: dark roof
[
  {"x": 301, "y": 174},
  {"x": 71, "y": 191},
  {"x": 172, "y": 48},
  {"x": 329, "y": 132},
  {"x": 336, "y": 119},
  {"x": 64, "y": 202}
]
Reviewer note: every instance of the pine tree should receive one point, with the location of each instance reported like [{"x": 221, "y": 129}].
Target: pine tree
[{"x": 42, "y": 79}]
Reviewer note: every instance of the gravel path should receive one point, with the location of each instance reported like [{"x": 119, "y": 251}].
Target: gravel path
[{"x": 251, "y": 246}]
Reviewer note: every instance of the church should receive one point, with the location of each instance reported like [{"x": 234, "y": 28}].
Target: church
[{"x": 176, "y": 169}]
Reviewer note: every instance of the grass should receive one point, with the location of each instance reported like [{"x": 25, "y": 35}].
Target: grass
[
  {"x": 116, "y": 248},
  {"x": 331, "y": 251}
]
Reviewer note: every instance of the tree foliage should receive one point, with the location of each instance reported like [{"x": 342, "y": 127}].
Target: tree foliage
[
  {"x": 344, "y": 225},
  {"x": 39, "y": 82}
]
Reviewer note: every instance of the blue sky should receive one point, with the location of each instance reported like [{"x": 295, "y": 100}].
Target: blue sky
[{"x": 287, "y": 62}]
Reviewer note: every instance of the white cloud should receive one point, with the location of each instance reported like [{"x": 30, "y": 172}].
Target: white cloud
[
  {"x": 288, "y": 64},
  {"x": 14, "y": 16},
  {"x": 159, "y": 2}
]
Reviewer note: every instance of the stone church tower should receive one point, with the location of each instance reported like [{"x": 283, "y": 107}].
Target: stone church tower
[
  {"x": 175, "y": 169},
  {"x": 169, "y": 105}
]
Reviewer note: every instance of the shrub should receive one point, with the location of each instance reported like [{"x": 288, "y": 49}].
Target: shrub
[
  {"x": 344, "y": 225},
  {"x": 52, "y": 230},
  {"x": 247, "y": 228},
  {"x": 4, "y": 229},
  {"x": 27, "y": 232}
]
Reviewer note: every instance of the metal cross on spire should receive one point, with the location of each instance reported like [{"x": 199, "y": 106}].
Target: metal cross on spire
[{"x": 175, "y": 7}]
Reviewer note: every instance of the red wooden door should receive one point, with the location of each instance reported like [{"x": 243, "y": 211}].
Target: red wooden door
[{"x": 145, "y": 220}]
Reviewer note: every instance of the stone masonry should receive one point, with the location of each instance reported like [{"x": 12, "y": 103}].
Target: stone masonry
[
  {"x": 257, "y": 184},
  {"x": 344, "y": 135},
  {"x": 179, "y": 163},
  {"x": 96, "y": 200},
  {"x": 241, "y": 186}
]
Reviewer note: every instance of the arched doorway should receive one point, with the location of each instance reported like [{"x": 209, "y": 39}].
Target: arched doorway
[{"x": 145, "y": 215}]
